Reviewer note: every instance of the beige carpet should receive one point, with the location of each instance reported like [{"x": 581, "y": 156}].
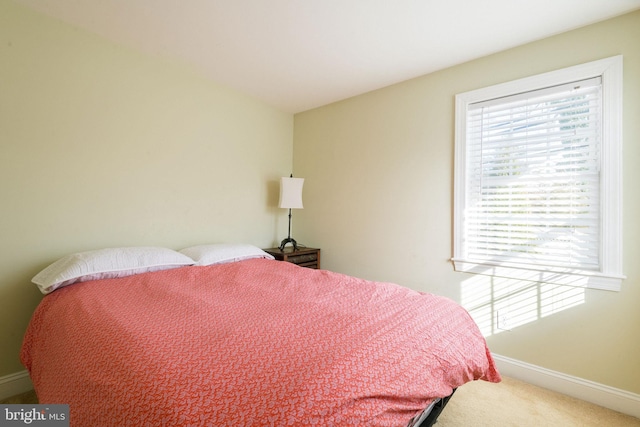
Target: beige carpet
[
  {"x": 518, "y": 404},
  {"x": 510, "y": 403}
]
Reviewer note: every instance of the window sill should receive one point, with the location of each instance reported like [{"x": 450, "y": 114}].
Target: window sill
[{"x": 559, "y": 276}]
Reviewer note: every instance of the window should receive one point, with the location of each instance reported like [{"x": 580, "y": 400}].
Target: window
[{"x": 538, "y": 178}]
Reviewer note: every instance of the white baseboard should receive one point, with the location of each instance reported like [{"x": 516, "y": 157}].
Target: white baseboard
[
  {"x": 609, "y": 397},
  {"x": 13, "y": 384}
]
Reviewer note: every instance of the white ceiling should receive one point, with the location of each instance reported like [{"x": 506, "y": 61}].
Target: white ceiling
[{"x": 301, "y": 54}]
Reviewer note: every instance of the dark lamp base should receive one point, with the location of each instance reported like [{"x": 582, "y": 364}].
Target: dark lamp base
[{"x": 288, "y": 240}]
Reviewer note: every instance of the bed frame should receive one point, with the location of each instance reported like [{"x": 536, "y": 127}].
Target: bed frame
[{"x": 429, "y": 416}]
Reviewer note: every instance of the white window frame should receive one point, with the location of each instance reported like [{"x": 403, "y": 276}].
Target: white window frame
[{"x": 609, "y": 276}]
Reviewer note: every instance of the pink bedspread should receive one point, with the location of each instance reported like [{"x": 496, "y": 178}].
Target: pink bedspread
[{"x": 256, "y": 342}]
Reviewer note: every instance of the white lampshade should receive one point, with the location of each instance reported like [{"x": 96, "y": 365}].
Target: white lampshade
[{"x": 291, "y": 193}]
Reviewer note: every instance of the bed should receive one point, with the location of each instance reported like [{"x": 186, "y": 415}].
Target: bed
[{"x": 244, "y": 340}]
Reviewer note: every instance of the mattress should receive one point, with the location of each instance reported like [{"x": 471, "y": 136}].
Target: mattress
[{"x": 254, "y": 342}]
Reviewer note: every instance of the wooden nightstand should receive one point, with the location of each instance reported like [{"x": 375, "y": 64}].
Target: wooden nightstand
[{"x": 304, "y": 257}]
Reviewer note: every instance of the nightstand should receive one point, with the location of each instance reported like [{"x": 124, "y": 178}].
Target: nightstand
[{"x": 304, "y": 257}]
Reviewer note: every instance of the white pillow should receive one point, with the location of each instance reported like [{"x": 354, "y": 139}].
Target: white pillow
[
  {"x": 107, "y": 264},
  {"x": 223, "y": 253}
]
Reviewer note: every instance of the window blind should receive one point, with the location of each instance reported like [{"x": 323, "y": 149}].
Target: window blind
[{"x": 533, "y": 177}]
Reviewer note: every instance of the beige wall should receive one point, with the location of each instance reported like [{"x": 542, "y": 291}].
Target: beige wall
[
  {"x": 101, "y": 146},
  {"x": 378, "y": 201}
]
